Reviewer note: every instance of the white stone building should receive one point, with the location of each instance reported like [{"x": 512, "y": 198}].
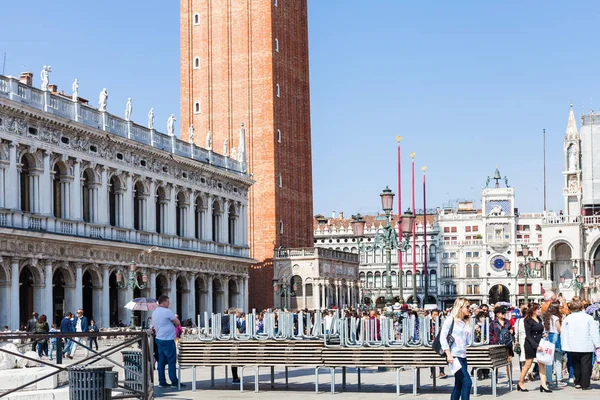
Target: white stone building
[
  {"x": 315, "y": 278},
  {"x": 482, "y": 250},
  {"x": 85, "y": 194},
  {"x": 336, "y": 233},
  {"x": 572, "y": 237}
]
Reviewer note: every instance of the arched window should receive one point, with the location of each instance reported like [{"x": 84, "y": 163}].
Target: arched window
[
  {"x": 469, "y": 271},
  {"x": 408, "y": 255},
  {"x": 277, "y": 90},
  {"x": 61, "y": 189},
  {"x": 377, "y": 279},
  {"x": 408, "y": 279},
  {"x": 196, "y": 62},
  {"x": 276, "y": 45},
  {"x": 418, "y": 250},
  {"x": 362, "y": 277},
  {"x": 139, "y": 207},
  {"x": 115, "y": 200},
  {"x": 216, "y": 218},
  {"x": 476, "y": 271},
  {"x": 27, "y": 184},
  {"x": 197, "y": 107},
  {"x": 369, "y": 279},
  {"x": 432, "y": 278},
  {"x": 280, "y": 180},
  {"x": 196, "y": 19},
  {"x": 419, "y": 279},
  {"x": 308, "y": 289},
  {"x": 297, "y": 285},
  {"x": 281, "y": 227},
  {"x": 278, "y": 135},
  {"x": 394, "y": 279},
  {"x": 181, "y": 220},
  {"x": 161, "y": 210},
  {"x": 432, "y": 252},
  {"x": 89, "y": 196},
  {"x": 231, "y": 223},
  {"x": 199, "y": 215},
  {"x": 453, "y": 271}
]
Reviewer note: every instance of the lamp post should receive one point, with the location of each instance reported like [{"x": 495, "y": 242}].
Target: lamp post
[
  {"x": 576, "y": 283},
  {"x": 531, "y": 264},
  {"x": 131, "y": 282},
  {"x": 285, "y": 290}
]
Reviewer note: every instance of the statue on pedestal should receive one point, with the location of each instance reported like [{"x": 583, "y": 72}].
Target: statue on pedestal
[
  {"x": 45, "y": 75},
  {"x": 209, "y": 141},
  {"x": 191, "y": 134},
  {"x": 151, "y": 119},
  {"x": 128, "y": 109},
  {"x": 103, "y": 100},
  {"x": 226, "y": 147},
  {"x": 75, "y": 88},
  {"x": 171, "y": 125}
]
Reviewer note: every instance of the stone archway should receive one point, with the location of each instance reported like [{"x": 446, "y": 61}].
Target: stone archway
[
  {"x": 596, "y": 262},
  {"x": 499, "y": 293},
  {"x": 200, "y": 293},
  {"x": 562, "y": 265},
  {"x": 26, "y": 295}
]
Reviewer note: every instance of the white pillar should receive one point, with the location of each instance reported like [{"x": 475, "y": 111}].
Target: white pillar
[
  {"x": 324, "y": 296},
  {"x": 150, "y": 223},
  {"x": 14, "y": 295},
  {"x": 123, "y": 297},
  {"x": 76, "y": 212},
  {"x": 3, "y": 194},
  {"x": 209, "y": 300},
  {"x": 191, "y": 216},
  {"x": 152, "y": 285},
  {"x": 208, "y": 219},
  {"x": 78, "y": 298},
  {"x": 46, "y": 188},
  {"x": 105, "y": 319},
  {"x": 225, "y": 304},
  {"x": 127, "y": 208},
  {"x": 12, "y": 181},
  {"x": 171, "y": 227},
  {"x": 189, "y": 301},
  {"x": 173, "y": 294},
  {"x": 101, "y": 208},
  {"x": 225, "y": 221},
  {"x": 48, "y": 303}
]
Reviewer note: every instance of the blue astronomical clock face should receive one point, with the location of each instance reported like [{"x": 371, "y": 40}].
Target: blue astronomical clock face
[{"x": 498, "y": 263}]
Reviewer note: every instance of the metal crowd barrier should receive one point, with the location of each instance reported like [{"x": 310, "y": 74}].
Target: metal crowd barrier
[{"x": 408, "y": 331}]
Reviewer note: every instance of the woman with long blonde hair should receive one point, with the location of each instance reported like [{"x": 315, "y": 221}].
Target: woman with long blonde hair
[{"x": 458, "y": 322}]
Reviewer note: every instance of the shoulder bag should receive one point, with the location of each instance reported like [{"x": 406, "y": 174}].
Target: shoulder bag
[{"x": 437, "y": 345}]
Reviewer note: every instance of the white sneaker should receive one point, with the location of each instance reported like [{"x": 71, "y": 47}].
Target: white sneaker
[{"x": 571, "y": 381}]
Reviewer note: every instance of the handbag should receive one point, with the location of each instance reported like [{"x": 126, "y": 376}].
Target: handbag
[
  {"x": 517, "y": 348},
  {"x": 437, "y": 345},
  {"x": 546, "y": 356}
]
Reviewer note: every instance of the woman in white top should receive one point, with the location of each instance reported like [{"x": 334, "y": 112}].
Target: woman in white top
[
  {"x": 552, "y": 323},
  {"x": 461, "y": 332}
]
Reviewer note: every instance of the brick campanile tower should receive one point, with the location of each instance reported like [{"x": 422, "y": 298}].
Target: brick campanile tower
[{"x": 246, "y": 61}]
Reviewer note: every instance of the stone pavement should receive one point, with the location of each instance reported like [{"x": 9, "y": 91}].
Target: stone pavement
[{"x": 382, "y": 384}]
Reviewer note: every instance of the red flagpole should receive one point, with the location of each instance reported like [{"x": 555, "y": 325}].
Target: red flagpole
[
  {"x": 398, "y": 138},
  {"x": 425, "y": 255}
]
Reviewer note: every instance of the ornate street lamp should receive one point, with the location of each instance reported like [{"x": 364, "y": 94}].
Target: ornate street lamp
[
  {"x": 284, "y": 289},
  {"x": 531, "y": 264},
  {"x": 131, "y": 282}
]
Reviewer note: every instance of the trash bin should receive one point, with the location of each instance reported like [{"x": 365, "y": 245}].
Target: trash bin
[
  {"x": 132, "y": 361},
  {"x": 87, "y": 383}
]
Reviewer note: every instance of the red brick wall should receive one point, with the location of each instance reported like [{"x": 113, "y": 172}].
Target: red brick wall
[{"x": 239, "y": 70}]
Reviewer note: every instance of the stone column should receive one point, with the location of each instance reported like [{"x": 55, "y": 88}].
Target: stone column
[
  {"x": 48, "y": 302},
  {"x": 191, "y": 216},
  {"x": 225, "y": 221},
  {"x": 46, "y": 189},
  {"x": 14, "y": 295},
  {"x": 189, "y": 300},
  {"x": 171, "y": 221},
  {"x": 324, "y": 296},
  {"x": 152, "y": 285},
  {"x": 173, "y": 294},
  {"x": 348, "y": 296},
  {"x": 76, "y": 212},
  {"x": 150, "y": 223},
  {"x": 128, "y": 203},
  {"x": 207, "y": 233},
  {"x": 123, "y": 298},
  {"x": 304, "y": 286},
  {"x": 316, "y": 295},
  {"x": 101, "y": 209},
  {"x": 78, "y": 298},
  {"x": 105, "y": 319},
  {"x": 12, "y": 181},
  {"x": 209, "y": 300},
  {"x": 225, "y": 303}
]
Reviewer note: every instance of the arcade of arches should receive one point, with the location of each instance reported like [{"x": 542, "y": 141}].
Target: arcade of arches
[{"x": 54, "y": 287}]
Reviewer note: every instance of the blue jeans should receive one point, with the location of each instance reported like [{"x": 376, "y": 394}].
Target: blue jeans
[
  {"x": 167, "y": 354},
  {"x": 570, "y": 366},
  {"x": 462, "y": 382},
  {"x": 52, "y": 348},
  {"x": 557, "y": 363}
]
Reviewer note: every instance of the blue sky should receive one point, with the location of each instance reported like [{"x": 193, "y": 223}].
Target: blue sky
[{"x": 468, "y": 85}]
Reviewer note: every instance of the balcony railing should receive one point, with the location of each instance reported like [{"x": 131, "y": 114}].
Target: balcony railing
[
  {"x": 561, "y": 219},
  {"x": 316, "y": 251},
  {"x": 56, "y": 104},
  {"x": 34, "y": 222}
]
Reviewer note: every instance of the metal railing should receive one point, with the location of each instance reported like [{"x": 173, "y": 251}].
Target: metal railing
[
  {"x": 400, "y": 331},
  {"x": 124, "y": 390}
]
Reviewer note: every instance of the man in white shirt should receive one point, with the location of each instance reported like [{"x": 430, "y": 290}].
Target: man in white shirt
[{"x": 165, "y": 321}]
